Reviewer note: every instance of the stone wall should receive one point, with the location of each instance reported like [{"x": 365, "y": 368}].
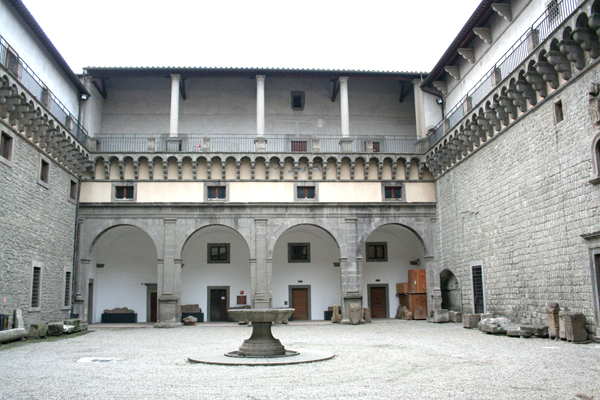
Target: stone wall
[
  {"x": 36, "y": 225},
  {"x": 518, "y": 206}
]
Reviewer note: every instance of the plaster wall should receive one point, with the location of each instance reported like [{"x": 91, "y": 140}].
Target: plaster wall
[
  {"x": 28, "y": 47},
  {"x": 519, "y": 206},
  {"x": 197, "y": 274},
  {"x": 170, "y": 192},
  {"x": 259, "y": 192},
  {"x": 349, "y": 192},
  {"x": 420, "y": 192},
  {"x": 95, "y": 192},
  {"x": 323, "y": 278},
  {"x": 504, "y": 35},
  {"x": 130, "y": 260},
  {"x": 402, "y": 246}
]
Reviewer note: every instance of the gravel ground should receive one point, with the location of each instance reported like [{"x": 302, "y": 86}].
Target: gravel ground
[{"x": 386, "y": 359}]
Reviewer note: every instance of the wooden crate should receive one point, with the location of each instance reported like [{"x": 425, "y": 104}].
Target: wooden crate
[
  {"x": 403, "y": 298},
  {"x": 417, "y": 304},
  {"x": 417, "y": 281},
  {"x": 401, "y": 288}
]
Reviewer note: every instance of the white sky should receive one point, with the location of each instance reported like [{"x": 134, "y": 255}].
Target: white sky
[{"x": 400, "y": 35}]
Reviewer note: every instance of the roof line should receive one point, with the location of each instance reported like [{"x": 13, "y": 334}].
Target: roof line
[{"x": 39, "y": 33}]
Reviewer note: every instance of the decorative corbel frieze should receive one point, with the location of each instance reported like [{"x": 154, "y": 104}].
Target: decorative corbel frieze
[
  {"x": 503, "y": 10},
  {"x": 454, "y": 71},
  {"x": 468, "y": 54},
  {"x": 484, "y": 34},
  {"x": 442, "y": 86}
]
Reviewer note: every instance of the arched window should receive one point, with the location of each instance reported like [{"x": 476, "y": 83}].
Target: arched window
[{"x": 596, "y": 160}]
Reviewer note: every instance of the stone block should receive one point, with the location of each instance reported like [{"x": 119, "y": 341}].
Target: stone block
[
  {"x": 38, "y": 330},
  {"x": 336, "y": 317},
  {"x": 486, "y": 315},
  {"x": 574, "y": 326},
  {"x": 406, "y": 313},
  {"x": 470, "y": 321},
  {"x": 494, "y": 325},
  {"x": 553, "y": 321},
  {"x": 191, "y": 320},
  {"x": 190, "y": 309},
  {"x": 562, "y": 333},
  {"x": 121, "y": 310},
  {"x": 55, "y": 329},
  {"x": 18, "y": 321},
  {"x": 540, "y": 331},
  {"x": 68, "y": 329},
  {"x": 440, "y": 316},
  {"x": 399, "y": 312},
  {"x": 367, "y": 314},
  {"x": 455, "y": 316},
  {"x": 355, "y": 314},
  {"x": 74, "y": 322}
]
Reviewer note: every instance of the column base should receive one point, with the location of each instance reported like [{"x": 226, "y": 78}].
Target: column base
[
  {"x": 168, "y": 324},
  {"x": 352, "y": 310}
]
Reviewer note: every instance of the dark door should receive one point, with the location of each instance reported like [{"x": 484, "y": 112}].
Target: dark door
[
  {"x": 300, "y": 303},
  {"x": 90, "y": 301},
  {"x": 218, "y": 304},
  {"x": 153, "y": 307},
  {"x": 378, "y": 302}
]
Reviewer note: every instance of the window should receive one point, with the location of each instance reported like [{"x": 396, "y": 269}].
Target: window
[
  {"x": 377, "y": 251},
  {"x": 552, "y": 10},
  {"x": 376, "y": 148},
  {"x": 124, "y": 192},
  {"x": 558, "y": 112},
  {"x": 478, "y": 295},
  {"x": 298, "y": 252},
  {"x": 300, "y": 145},
  {"x": 305, "y": 192},
  {"x": 36, "y": 286},
  {"x": 6, "y": 142},
  {"x": 393, "y": 192},
  {"x": 12, "y": 62},
  {"x": 67, "y": 301},
  {"x": 73, "y": 190},
  {"x": 297, "y": 100},
  {"x": 216, "y": 192},
  {"x": 44, "y": 172},
  {"x": 218, "y": 253}
]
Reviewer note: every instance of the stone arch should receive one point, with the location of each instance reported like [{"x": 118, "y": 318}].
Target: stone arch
[
  {"x": 188, "y": 233},
  {"x": 595, "y": 152},
  {"x": 403, "y": 222},
  {"x": 451, "y": 291},
  {"x": 291, "y": 223},
  {"x": 90, "y": 240}
]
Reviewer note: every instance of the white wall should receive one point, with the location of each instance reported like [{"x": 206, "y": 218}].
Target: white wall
[
  {"x": 197, "y": 274},
  {"x": 403, "y": 246},
  {"x": 35, "y": 55},
  {"x": 324, "y": 279},
  {"x": 130, "y": 260}
]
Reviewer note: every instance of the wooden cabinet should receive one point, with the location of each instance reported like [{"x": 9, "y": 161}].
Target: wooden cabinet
[
  {"x": 417, "y": 304},
  {"x": 401, "y": 288},
  {"x": 417, "y": 281}
]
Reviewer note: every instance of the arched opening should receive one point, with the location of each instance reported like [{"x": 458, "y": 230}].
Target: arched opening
[
  {"x": 451, "y": 297},
  {"x": 123, "y": 273},
  {"x": 306, "y": 272},
  {"x": 216, "y": 272},
  {"x": 390, "y": 252}
]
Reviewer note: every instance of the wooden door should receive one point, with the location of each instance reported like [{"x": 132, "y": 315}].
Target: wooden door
[
  {"x": 218, "y": 304},
  {"x": 378, "y": 302},
  {"x": 300, "y": 303},
  {"x": 90, "y": 301},
  {"x": 153, "y": 307}
]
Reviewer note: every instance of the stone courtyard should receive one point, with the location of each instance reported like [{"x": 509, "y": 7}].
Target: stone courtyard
[{"x": 385, "y": 359}]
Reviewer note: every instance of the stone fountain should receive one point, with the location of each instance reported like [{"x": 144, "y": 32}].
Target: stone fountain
[{"x": 261, "y": 343}]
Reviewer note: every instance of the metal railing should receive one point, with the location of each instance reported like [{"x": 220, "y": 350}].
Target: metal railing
[
  {"x": 28, "y": 78},
  {"x": 240, "y": 143},
  {"x": 544, "y": 25}
]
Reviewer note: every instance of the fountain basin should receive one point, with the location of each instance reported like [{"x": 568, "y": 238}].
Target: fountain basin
[{"x": 261, "y": 314}]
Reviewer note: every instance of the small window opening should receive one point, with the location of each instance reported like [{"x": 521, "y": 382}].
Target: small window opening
[
  {"x": 124, "y": 192},
  {"x": 393, "y": 192},
  {"x": 298, "y": 252},
  {"x": 306, "y": 192},
  {"x": 553, "y": 10},
  {"x": 44, "y": 171},
  {"x": 6, "y": 146},
  {"x": 67, "y": 289},
  {"x": 12, "y": 62},
  {"x": 376, "y": 251},
  {"x": 558, "y": 111},
  {"x": 73, "y": 190},
  {"x": 35, "y": 287},
  {"x": 478, "y": 301},
  {"x": 218, "y": 253},
  {"x": 299, "y": 145},
  {"x": 376, "y": 148},
  {"x": 297, "y": 101},
  {"x": 216, "y": 192}
]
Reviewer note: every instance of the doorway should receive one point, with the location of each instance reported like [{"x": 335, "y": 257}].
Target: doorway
[
  {"x": 300, "y": 301},
  {"x": 151, "y": 302},
  {"x": 378, "y": 303},
  {"x": 218, "y": 302},
  {"x": 90, "y": 318}
]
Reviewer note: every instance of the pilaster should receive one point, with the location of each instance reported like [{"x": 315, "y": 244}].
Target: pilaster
[
  {"x": 169, "y": 276},
  {"x": 262, "y": 296}
]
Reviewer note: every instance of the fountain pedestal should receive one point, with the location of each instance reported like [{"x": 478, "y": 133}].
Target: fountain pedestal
[{"x": 261, "y": 343}]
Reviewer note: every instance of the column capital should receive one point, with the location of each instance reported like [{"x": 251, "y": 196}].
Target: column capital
[
  {"x": 260, "y": 78},
  {"x": 343, "y": 79},
  {"x": 176, "y": 77}
]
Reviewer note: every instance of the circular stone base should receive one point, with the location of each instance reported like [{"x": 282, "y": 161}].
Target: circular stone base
[
  {"x": 304, "y": 356},
  {"x": 288, "y": 353}
]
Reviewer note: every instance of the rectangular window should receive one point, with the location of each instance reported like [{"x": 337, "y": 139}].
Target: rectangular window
[
  {"x": 478, "y": 299},
  {"x": 73, "y": 190},
  {"x": 36, "y": 285},
  {"x": 377, "y": 251},
  {"x": 297, "y": 100},
  {"x": 393, "y": 192},
  {"x": 553, "y": 10},
  {"x": 44, "y": 171},
  {"x": 216, "y": 192},
  {"x": 299, "y": 145},
  {"x": 376, "y": 148},
  {"x": 218, "y": 253},
  {"x": 305, "y": 192},
  {"x": 298, "y": 252},
  {"x": 558, "y": 112},
  {"x": 6, "y": 146},
  {"x": 67, "y": 289},
  {"x": 124, "y": 192},
  {"x": 12, "y": 63}
]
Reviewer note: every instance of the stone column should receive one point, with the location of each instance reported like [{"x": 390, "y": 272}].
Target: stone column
[
  {"x": 175, "y": 80},
  {"x": 351, "y": 273},
  {"x": 433, "y": 278},
  {"x": 419, "y": 109},
  {"x": 260, "y": 106},
  {"x": 80, "y": 304},
  {"x": 344, "y": 106},
  {"x": 169, "y": 273},
  {"x": 262, "y": 297}
]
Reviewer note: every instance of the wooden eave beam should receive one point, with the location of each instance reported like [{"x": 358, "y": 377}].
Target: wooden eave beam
[
  {"x": 101, "y": 90},
  {"x": 405, "y": 89},
  {"x": 335, "y": 90},
  {"x": 182, "y": 88}
]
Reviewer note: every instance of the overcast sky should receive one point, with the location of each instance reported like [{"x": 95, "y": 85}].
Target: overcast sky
[{"x": 401, "y": 35}]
